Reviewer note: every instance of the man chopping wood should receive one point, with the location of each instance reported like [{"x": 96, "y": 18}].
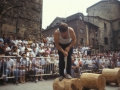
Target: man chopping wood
[{"x": 65, "y": 39}]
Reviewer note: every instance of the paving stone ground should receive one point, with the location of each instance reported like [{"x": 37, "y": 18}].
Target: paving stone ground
[{"x": 40, "y": 85}]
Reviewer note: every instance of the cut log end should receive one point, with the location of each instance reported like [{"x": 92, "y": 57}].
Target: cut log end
[
  {"x": 93, "y": 81},
  {"x": 67, "y": 84},
  {"x": 112, "y": 75}
]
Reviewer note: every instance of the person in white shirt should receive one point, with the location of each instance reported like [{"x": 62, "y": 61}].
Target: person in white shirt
[
  {"x": 27, "y": 52},
  {"x": 42, "y": 44},
  {"x": 22, "y": 48},
  {"x": 3, "y": 66},
  {"x": 25, "y": 65},
  {"x": 44, "y": 63},
  {"x": 35, "y": 44},
  {"x": 118, "y": 62},
  {"x": 15, "y": 51},
  {"x": 7, "y": 49},
  {"x": 41, "y": 51},
  {"x": 15, "y": 41},
  {"x": 9, "y": 68},
  {"x": 33, "y": 53},
  {"x": 48, "y": 40},
  {"x": 37, "y": 68},
  {"x": 25, "y": 42}
]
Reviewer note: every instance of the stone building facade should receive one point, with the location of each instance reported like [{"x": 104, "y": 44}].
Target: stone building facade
[
  {"x": 85, "y": 31},
  {"x": 106, "y": 15},
  {"x": 22, "y": 18}
]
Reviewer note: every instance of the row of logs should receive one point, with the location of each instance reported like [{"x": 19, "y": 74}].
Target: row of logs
[{"x": 89, "y": 80}]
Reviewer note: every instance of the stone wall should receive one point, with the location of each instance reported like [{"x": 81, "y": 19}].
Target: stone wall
[
  {"x": 105, "y": 12},
  {"x": 105, "y": 9},
  {"x": 24, "y": 15}
]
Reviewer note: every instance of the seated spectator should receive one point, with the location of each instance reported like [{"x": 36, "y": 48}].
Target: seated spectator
[
  {"x": 25, "y": 41},
  {"x": 33, "y": 53},
  {"x": 74, "y": 69},
  {"x": 11, "y": 69},
  {"x": 7, "y": 49},
  {"x": 22, "y": 47},
  {"x": 118, "y": 62},
  {"x": 90, "y": 64},
  {"x": 79, "y": 62},
  {"x": 15, "y": 51},
  {"x": 1, "y": 47},
  {"x": 25, "y": 65},
  {"x": 44, "y": 39},
  {"x": 44, "y": 63},
  {"x": 95, "y": 64},
  {"x": 21, "y": 69},
  {"x": 48, "y": 50},
  {"x": 50, "y": 63},
  {"x": 27, "y": 52},
  {"x": 6, "y": 39},
  {"x": 29, "y": 48},
  {"x": 41, "y": 51},
  {"x": 30, "y": 41},
  {"x": 37, "y": 68},
  {"x": 3, "y": 66},
  {"x": 106, "y": 62},
  {"x": 15, "y": 41}
]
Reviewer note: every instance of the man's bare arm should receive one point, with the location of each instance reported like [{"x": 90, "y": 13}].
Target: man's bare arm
[
  {"x": 73, "y": 37},
  {"x": 56, "y": 40}
]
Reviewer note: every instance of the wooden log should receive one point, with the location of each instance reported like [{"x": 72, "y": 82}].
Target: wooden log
[
  {"x": 67, "y": 84},
  {"x": 93, "y": 81},
  {"x": 112, "y": 75},
  {"x": 117, "y": 68}
]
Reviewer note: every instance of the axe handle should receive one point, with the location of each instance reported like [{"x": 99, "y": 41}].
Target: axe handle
[{"x": 65, "y": 58}]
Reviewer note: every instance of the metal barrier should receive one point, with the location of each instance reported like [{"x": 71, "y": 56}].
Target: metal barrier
[
  {"x": 14, "y": 67},
  {"x": 31, "y": 67}
]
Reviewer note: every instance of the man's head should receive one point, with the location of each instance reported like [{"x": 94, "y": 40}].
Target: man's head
[
  {"x": 24, "y": 55},
  {"x": 63, "y": 27}
]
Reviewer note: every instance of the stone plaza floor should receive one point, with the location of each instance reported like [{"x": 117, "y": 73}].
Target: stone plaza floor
[{"x": 40, "y": 85}]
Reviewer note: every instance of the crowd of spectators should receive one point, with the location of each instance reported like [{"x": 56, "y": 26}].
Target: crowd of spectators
[{"x": 22, "y": 58}]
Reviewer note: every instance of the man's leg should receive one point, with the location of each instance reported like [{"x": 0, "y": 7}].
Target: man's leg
[
  {"x": 7, "y": 72},
  {"x": 4, "y": 68},
  {"x": 16, "y": 76},
  {"x": 61, "y": 65},
  {"x": 69, "y": 63}
]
